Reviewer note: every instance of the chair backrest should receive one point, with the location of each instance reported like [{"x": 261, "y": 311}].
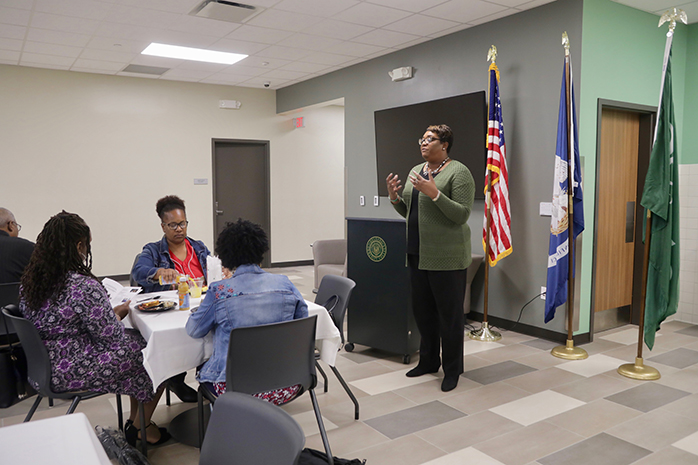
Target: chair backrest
[
  {"x": 38, "y": 362},
  {"x": 9, "y": 294},
  {"x": 132, "y": 281},
  {"x": 244, "y": 430},
  {"x": 267, "y": 357},
  {"x": 341, "y": 287}
]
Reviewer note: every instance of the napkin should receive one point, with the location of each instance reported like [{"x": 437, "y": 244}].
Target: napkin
[{"x": 214, "y": 269}]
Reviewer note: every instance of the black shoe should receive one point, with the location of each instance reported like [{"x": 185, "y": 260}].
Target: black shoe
[
  {"x": 449, "y": 383},
  {"x": 131, "y": 433},
  {"x": 419, "y": 371},
  {"x": 182, "y": 390}
]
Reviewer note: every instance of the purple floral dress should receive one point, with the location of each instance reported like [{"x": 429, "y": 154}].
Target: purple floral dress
[{"x": 88, "y": 346}]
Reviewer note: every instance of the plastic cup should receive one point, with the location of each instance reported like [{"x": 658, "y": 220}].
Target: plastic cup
[{"x": 195, "y": 288}]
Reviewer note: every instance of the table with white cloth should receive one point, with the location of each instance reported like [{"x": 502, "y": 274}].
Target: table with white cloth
[
  {"x": 64, "y": 440},
  {"x": 170, "y": 350}
]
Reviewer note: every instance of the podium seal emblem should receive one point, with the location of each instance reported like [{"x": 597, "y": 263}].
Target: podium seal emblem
[{"x": 376, "y": 249}]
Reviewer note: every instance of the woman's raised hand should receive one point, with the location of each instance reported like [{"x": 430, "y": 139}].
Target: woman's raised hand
[
  {"x": 425, "y": 186},
  {"x": 394, "y": 185}
]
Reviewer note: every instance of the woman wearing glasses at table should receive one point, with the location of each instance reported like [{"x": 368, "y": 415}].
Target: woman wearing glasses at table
[
  {"x": 437, "y": 203},
  {"x": 175, "y": 254}
]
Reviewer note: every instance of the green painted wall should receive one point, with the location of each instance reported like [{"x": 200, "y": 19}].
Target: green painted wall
[
  {"x": 622, "y": 52},
  {"x": 689, "y": 152}
]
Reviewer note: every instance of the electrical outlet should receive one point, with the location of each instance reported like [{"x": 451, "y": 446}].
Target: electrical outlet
[
  {"x": 362, "y": 200},
  {"x": 542, "y": 291},
  {"x": 375, "y": 200}
]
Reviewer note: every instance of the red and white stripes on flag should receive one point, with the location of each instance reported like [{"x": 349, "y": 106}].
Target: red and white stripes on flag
[{"x": 497, "y": 197}]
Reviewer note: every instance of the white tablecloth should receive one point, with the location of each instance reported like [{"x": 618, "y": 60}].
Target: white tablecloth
[
  {"x": 170, "y": 350},
  {"x": 64, "y": 440}
]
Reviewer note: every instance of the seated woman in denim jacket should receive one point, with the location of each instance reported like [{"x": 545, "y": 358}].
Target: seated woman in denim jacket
[{"x": 250, "y": 297}]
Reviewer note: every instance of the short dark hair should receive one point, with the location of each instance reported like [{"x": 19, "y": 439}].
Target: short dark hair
[
  {"x": 445, "y": 134},
  {"x": 169, "y": 203},
  {"x": 242, "y": 243}
]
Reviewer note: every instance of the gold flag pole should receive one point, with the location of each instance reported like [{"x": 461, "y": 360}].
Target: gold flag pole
[
  {"x": 485, "y": 334},
  {"x": 569, "y": 351},
  {"x": 639, "y": 370}
]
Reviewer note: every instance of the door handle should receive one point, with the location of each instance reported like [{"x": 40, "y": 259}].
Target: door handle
[
  {"x": 219, "y": 212},
  {"x": 629, "y": 222}
]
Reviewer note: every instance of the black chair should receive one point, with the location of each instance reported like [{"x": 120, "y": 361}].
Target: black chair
[
  {"x": 39, "y": 370},
  {"x": 9, "y": 294},
  {"x": 267, "y": 357},
  {"x": 334, "y": 294},
  {"x": 248, "y": 431},
  {"x": 132, "y": 281}
]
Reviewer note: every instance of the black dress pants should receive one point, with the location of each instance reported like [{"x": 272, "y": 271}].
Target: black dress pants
[{"x": 437, "y": 303}]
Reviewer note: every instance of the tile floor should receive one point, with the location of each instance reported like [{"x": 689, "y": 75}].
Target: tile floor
[{"x": 515, "y": 405}]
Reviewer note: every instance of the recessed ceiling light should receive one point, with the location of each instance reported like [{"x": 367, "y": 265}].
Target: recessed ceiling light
[{"x": 194, "y": 54}]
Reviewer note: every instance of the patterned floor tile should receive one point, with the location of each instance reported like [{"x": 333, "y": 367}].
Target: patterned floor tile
[
  {"x": 472, "y": 347},
  {"x": 678, "y": 358},
  {"x": 655, "y": 430},
  {"x": 592, "y": 366},
  {"x": 411, "y": 420},
  {"x": 389, "y": 382},
  {"x": 647, "y": 397},
  {"x": 497, "y": 372},
  {"x": 594, "y": 418},
  {"x": 688, "y": 444},
  {"x": 537, "y": 407},
  {"x": 541, "y": 344},
  {"x": 468, "y": 455},
  {"x": 690, "y": 331},
  {"x": 599, "y": 450}
]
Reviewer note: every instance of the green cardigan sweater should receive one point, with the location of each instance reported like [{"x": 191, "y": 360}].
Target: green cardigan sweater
[{"x": 444, "y": 234}]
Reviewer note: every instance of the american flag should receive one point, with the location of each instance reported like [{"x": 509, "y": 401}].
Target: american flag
[{"x": 498, "y": 196}]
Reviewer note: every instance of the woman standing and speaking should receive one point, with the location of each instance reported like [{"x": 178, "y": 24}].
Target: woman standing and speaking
[{"x": 437, "y": 203}]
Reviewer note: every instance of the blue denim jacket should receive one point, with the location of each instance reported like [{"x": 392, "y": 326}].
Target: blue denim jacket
[
  {"x": 251, "y": 297},
  {"x": 157, "y": 255}
]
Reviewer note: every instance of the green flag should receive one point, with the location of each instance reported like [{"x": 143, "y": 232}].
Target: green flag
[{"x": 661, "y": 197}]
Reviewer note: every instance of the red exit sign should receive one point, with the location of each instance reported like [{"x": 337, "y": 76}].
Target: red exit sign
[{"x": 299, "y": 122}]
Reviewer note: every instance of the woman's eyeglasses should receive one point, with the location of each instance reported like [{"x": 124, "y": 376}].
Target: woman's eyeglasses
[
  {"x": 174, "y": 226},
  {"x": 428, "y": 140}
]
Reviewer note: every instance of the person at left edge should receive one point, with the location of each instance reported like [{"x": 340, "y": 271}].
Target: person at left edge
[
  {"x": 176, "y": 253},
  {"x": 14, "y": 251}
]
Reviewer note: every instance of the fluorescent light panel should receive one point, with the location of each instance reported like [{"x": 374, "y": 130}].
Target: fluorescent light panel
[{"x": 194, "y": 54}]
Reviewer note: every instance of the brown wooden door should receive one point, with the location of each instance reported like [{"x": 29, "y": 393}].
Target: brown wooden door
[
  {"x": 617, "y": 205},
  {"x": 241, "y": 185}
]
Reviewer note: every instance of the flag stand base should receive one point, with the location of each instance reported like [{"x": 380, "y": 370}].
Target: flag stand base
[
  {"x": 569, "y": 351},
  {"x": 484, "y": 334},
  {"x": 638, "y": 370}
]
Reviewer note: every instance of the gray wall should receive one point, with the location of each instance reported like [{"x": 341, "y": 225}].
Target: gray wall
[{"x": 530, "y": 62}]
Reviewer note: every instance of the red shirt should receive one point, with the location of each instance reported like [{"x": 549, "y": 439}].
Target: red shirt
[{"x": 190, "y": 266}]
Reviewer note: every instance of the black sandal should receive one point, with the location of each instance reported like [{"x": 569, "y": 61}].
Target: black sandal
[{"x": 131, "y": 433}]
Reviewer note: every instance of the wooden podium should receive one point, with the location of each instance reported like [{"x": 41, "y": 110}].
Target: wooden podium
[{"x": 380, "y": 314}]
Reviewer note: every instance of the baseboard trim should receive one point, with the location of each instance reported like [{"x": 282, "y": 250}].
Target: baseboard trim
[
  {"x": 288, "y": 264},
  {"x": 504, "y": 324}
]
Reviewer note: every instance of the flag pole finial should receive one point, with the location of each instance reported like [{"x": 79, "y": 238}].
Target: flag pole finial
[
  {"x": 492, "y": 54},
  {"x": 566, "y": 43},
  {"x": 671, "y": 16}
]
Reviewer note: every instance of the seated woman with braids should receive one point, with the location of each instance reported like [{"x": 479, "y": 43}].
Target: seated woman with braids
[
  {"x": 250, "y": 297},
  {"x": 89, "y": 348}
]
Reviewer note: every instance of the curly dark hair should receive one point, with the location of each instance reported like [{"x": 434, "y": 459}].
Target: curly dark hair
[
  {"x": 56, "y": 254},
  {"x": 242, "y": 243},
  {"x": 169, "y": 203},
  {"x": 445, "y": 134}
]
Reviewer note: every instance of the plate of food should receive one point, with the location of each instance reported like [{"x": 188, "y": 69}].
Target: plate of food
[{"x": 153, "y": 306}]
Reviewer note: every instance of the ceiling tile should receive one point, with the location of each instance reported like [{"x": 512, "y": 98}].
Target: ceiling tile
[
  {"x": 337, "y": 29},
  {"x": 421, "y": 25},
  {"x": 78, "y": 8},
  {"x": 383, "y": 38},
  {"x": 507, "y": 3},
  {"x": 160, "y": 62},
  {"x": 57, "y": 37},
  {"x": 259, "y": 83},
  {"x": 533, "y": 4},
  {"x": 237, "y": 46},
  {"x": 13, "y": 32},
  {"x": 9, "y": 57},
  {"x": 289, "y": 53},
  {"x": 368, "y": 14},
  {"x": 487, "y": 19},
  {"x": 246, "y": 71},
  {"x": 328, "y": 59},
  {"x": 264, "y": 62},
  {"x": 450, "y": 31},
  {"x": 354, "y": 49},
  {"x": 262, "y": 35},
  {"x": 409, "y": 5},
  {"x": 308, "y": 42},
  {"x": 282, "y": 74},
  {"x": 64, "y": 23},
  {"x": 315, "y": 7},
  {"x": 14, "y": 16},
  {"x": 284, "y": 20},
  {"x": 52, "y": 49},
  {"x": 92, "y": 71},
  {"x": 415, "y": 42},
  {"x": 44, "y": 65},
  {"x": 173, "y": 6},
  {"x": 454, "y": 10},
  {"x": 187, "y": 73},
  {"x": 11, "y": 44},
  {"x": 108, "y": 55},
  {"x": 304, "y": 67},
  {"x": 196, "y": 25},
  {"x": 36, "y": 58},
  {"x": 142, "y": 17},
  {"x": 225, "y": 79},
  {"x": 100, "y": 65},
  {"x": 22, "y": 4},
  {"x": 118, "y": 45}
]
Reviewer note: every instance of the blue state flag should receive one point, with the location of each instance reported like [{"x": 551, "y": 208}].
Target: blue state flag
[{"x": 558, "y": 251}]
